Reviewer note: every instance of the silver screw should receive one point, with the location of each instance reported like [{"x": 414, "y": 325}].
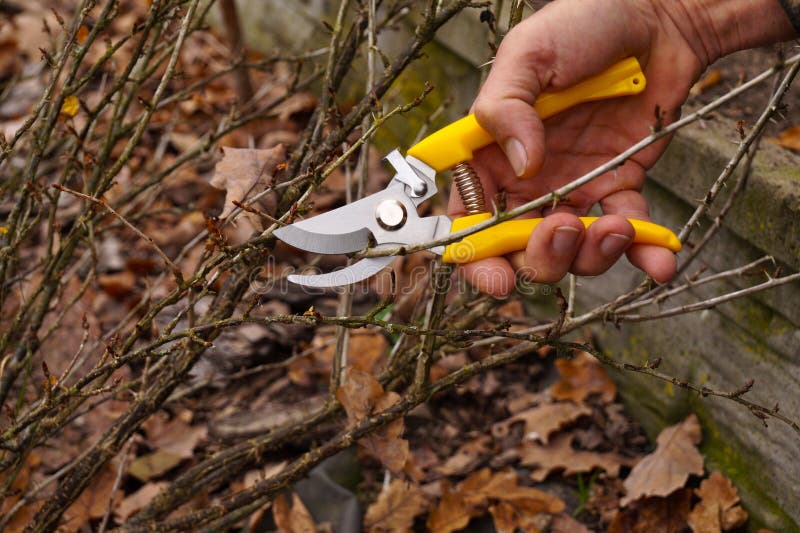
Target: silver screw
[{"x": 391, "y": 214}]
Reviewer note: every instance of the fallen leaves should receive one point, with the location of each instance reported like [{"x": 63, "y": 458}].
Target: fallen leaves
[
  {"x": 510, "y": 504},
  {"x": 396, "y": 507},
  {"x": 581, "y": 377},
  {"x": 667, "y": 469},
  {"x": 294, "y": 519},
  {"x": 788, "y": 138},
  {"x": 362, "y": 395},
  {"x": 541, "y": 421},
  {"x": 559, "y": 454},
  {"x": 717, "y": 510},
  {"x": 244, "y": 172}
]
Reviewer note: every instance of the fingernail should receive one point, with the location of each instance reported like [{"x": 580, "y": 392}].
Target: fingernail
[
  {"x": 516, "y": 155},
  {"x": 564, "y": 239},
  {"x": 613, "y": 244}
]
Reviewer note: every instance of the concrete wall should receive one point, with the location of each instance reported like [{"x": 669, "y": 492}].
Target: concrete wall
[{"x": 756, "y": 337}]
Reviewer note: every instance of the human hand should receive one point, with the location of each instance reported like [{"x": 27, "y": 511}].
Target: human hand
[{"x": 567, "y": 41}]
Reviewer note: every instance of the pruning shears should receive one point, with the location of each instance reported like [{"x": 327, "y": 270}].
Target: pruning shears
[{"x": 390, "y": 216}]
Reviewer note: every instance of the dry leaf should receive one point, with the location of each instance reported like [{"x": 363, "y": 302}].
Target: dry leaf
[
  {"x": 93, "y": 501},
  {"x": 466, "y": 457},
  {"x": 706, "y": 82},
  {"x": 717, "y": 510},
  {"x": 243, "y": 172},
  {"x": 70, "y": 106},
  {"x": 667, "y": 469},
  {"x": 451, "y": 514},
  {"x": 581, "y": 376},
  {"x": 559, "y": 454},
  {"x": 175, "y": 435},
  {"x": 396, "y": 507},
  {"x": 153, "y": 465},
  {"x": 82, "y": 34},
  {"x": 483, "y": 490},
  {"x": 135, "y": 502},
  {"x": 543, "y": 420},
  {"x": 564, "y": 523},
  {"x": 361, "y": 395},
  {"x": 788, "y": 138},
  {"x": 654, "y": 515},
  {"x": 294, "y": 520}
]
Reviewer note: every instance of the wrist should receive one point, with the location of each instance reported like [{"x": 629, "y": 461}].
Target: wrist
[{"x": 715, "y": 28}]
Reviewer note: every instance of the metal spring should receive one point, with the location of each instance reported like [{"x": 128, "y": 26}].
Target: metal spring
[{"x": 469, "y": 188}]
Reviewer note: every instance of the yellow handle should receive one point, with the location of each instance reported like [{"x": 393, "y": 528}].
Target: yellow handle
[
  {"x": 513, "y": 235},
  {"x": 455, "y": 143}
]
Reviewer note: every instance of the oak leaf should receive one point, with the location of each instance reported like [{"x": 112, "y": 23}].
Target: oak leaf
[
  {"x": 93, "y": 501},
  {"x": 244, "y": 172},
  {"x": 135, "y": 502},
  {"x": 580, "y": 377},
  {"x": 296, "y": 519},
  {"x": 396, "y": 507},
  {"x": 669, "y": 466},
  {"x": 559, "y": 454},
  {"x": 484, "y": 490},
  {"x": 466, "y": 457},
  {"x": 541, "y": 421},
  {"x": 654, "y": 515},
  {"x": 362, "y": 395},
  {"x": 717, "y": 510}
]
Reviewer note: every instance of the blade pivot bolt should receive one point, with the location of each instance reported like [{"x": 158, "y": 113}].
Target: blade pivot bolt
[{"x": 391, "y": 214}]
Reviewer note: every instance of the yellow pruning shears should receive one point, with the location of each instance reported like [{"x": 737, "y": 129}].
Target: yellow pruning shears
[{"x": 390, "y": 216}]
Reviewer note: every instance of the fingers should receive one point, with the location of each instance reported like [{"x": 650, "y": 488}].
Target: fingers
[
  {"x": 552, "y": 248},
  {"x": 493, "y": 276},
  {"x": 560, "y": 45},
  {"x": 659, "y": 263},
  {"x": 604, "y": 243}
]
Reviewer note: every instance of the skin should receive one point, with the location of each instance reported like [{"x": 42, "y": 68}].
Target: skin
[{"x": 565, "y": 42}]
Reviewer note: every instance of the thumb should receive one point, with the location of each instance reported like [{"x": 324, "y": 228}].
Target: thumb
[{"x": 551, "y": 50}]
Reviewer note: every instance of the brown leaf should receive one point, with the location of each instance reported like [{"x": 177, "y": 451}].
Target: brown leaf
[
  {"x": 385, "y": 443},
  {"x": 788, "y": 138},
  {"x": 153, "y": 465},
  {"x": 543, "y": 420},
  {"x": 667, "y": 469},
  {"x": 294, "y": 520},
  {"x": 119, "y": 285},
  {"x": 504, "y": 517},
  {"x": 466, "y": 457},
  {"x": 717, "y": 510},
  {"x": 451, "y": 514},
  {"x": 485, "y": 489},
  {"x": 564, "y": 523},
  {"x": 396, "y": 507},
  {"x": 654, "y": 515},
  {"x": 359, "y": 394},
  {"x": 559, "y": 454},
  {"x": 135, "y": 502},
  {"x": 175, "y": 435},
  {"x": 93, "y": 501},
  {"x": 581, "y": 376},
  {"x": 243, "y": 172}
]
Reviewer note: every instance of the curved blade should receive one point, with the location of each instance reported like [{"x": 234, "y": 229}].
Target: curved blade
[
  {"x": 346, "y": 276},
  {"x": 312, "y": 241}
]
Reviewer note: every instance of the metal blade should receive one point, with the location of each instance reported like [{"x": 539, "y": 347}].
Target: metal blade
[
  {"x": 346, "y": 276},
  {"x": 312, "y": 241}
]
